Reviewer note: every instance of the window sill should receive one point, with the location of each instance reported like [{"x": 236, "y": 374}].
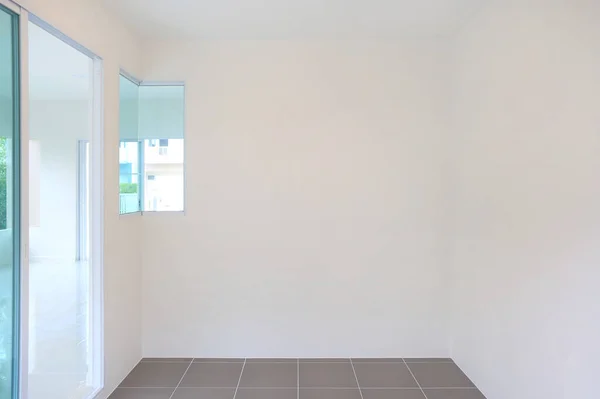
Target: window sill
[
  {"x": 130, "y": 214},
  {"x": 150, "y": 213},
  {"x": 156, "y": 213}
]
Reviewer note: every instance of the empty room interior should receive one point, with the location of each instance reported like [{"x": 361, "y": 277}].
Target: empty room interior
[{"x": 299, "y": 199}]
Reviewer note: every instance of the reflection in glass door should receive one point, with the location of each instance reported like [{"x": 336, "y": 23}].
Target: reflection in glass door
[{"x": 9, "y": 202}]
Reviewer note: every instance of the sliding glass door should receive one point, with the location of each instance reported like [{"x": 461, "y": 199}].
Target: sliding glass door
[
  {"x": 9, "y": 203},
  {"x": 51, "y": 212}
]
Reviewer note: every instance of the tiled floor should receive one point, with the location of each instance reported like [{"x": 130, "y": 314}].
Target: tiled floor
[{"x": 297, "y": 379}]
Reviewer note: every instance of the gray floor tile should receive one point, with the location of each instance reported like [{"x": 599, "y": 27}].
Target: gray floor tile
[
  {"x": 272, "y": 393},
  {"x": 453, "y": 394},
  {"x": 392, "y": 394},
  {"x": 384, "y": 375},
  {"x": 212, "y": 375},
  {"x": 269, "y": 375},
  {"x": 277, "y": 378},
  {"x": 378, "y": 360},
  {"x": 204, "y": 393},
  {"x": 428, "y": 360},
  {"x": 325, "y": 360},
  {"x": 141, "y": 393},
  {"x": 218, "y": 360},
  {"x": 440, "y": 375},
  {"x": 329, "y": 394},
  {"x": 327, "y": 375},
  {"x": 157, "y": 375},
  {"x": 271, "y": 360}
]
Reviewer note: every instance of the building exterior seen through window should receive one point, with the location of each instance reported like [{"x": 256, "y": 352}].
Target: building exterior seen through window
[{"x": 163, "y": 171}]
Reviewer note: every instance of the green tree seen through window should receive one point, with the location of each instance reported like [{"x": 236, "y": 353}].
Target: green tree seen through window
[{"x": 128, "y": 188}]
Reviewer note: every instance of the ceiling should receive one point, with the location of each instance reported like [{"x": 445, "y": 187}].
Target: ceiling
[{"x": 293, "y": 19}]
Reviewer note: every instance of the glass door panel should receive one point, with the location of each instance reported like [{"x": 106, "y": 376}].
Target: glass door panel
[
  {"x": 61, "y": 106},
  {"x": 9, "y": 203}
]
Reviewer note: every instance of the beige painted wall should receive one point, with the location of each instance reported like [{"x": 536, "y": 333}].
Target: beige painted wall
[
  {"x": 527, "y": 221},
  {"x": 312, "y": 225}
]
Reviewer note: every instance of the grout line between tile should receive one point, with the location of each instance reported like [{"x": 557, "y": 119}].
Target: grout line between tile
[
  {"x": 320, "y": 362},
  {"x": 356, "y": 378},
  {"x": 398, "y": 362},
  {"x": 240, "y": 379},
  {"x": 161, "y": 361},
  {"x": 417, "y": 381},
  {"x": 297, "y": 378},
  {"x": 184, "y": 373},
  {"x": 215, "y": 360}
]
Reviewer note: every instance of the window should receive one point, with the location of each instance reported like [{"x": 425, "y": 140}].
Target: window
[
  {"x": 130, "y": 199},
  {"x": 151, "y": 155}
]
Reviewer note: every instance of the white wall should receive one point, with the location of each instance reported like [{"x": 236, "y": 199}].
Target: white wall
[
  {"x": 88, "y": 23},
  {"x": 312, "y": 225},
  {"x": 527, "y": 195}
]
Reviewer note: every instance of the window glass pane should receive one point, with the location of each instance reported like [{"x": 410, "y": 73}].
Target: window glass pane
[
  {"x": 129, "y": 177},
  {"x": 160, "y": 126},
  {"x": 129, "y": 148},
  {"x": 151, "y": 152},
  {"x": 163, "y": 169},
  {"x": 128, "y": 109},
  {"x": 161, "y": 112},
  {"x": 9, "y": 258}
]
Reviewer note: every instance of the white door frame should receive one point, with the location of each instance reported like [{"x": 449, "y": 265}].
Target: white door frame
[
  {"x": 24, "y": 309},
  {"x": 11, "y": 5}
]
